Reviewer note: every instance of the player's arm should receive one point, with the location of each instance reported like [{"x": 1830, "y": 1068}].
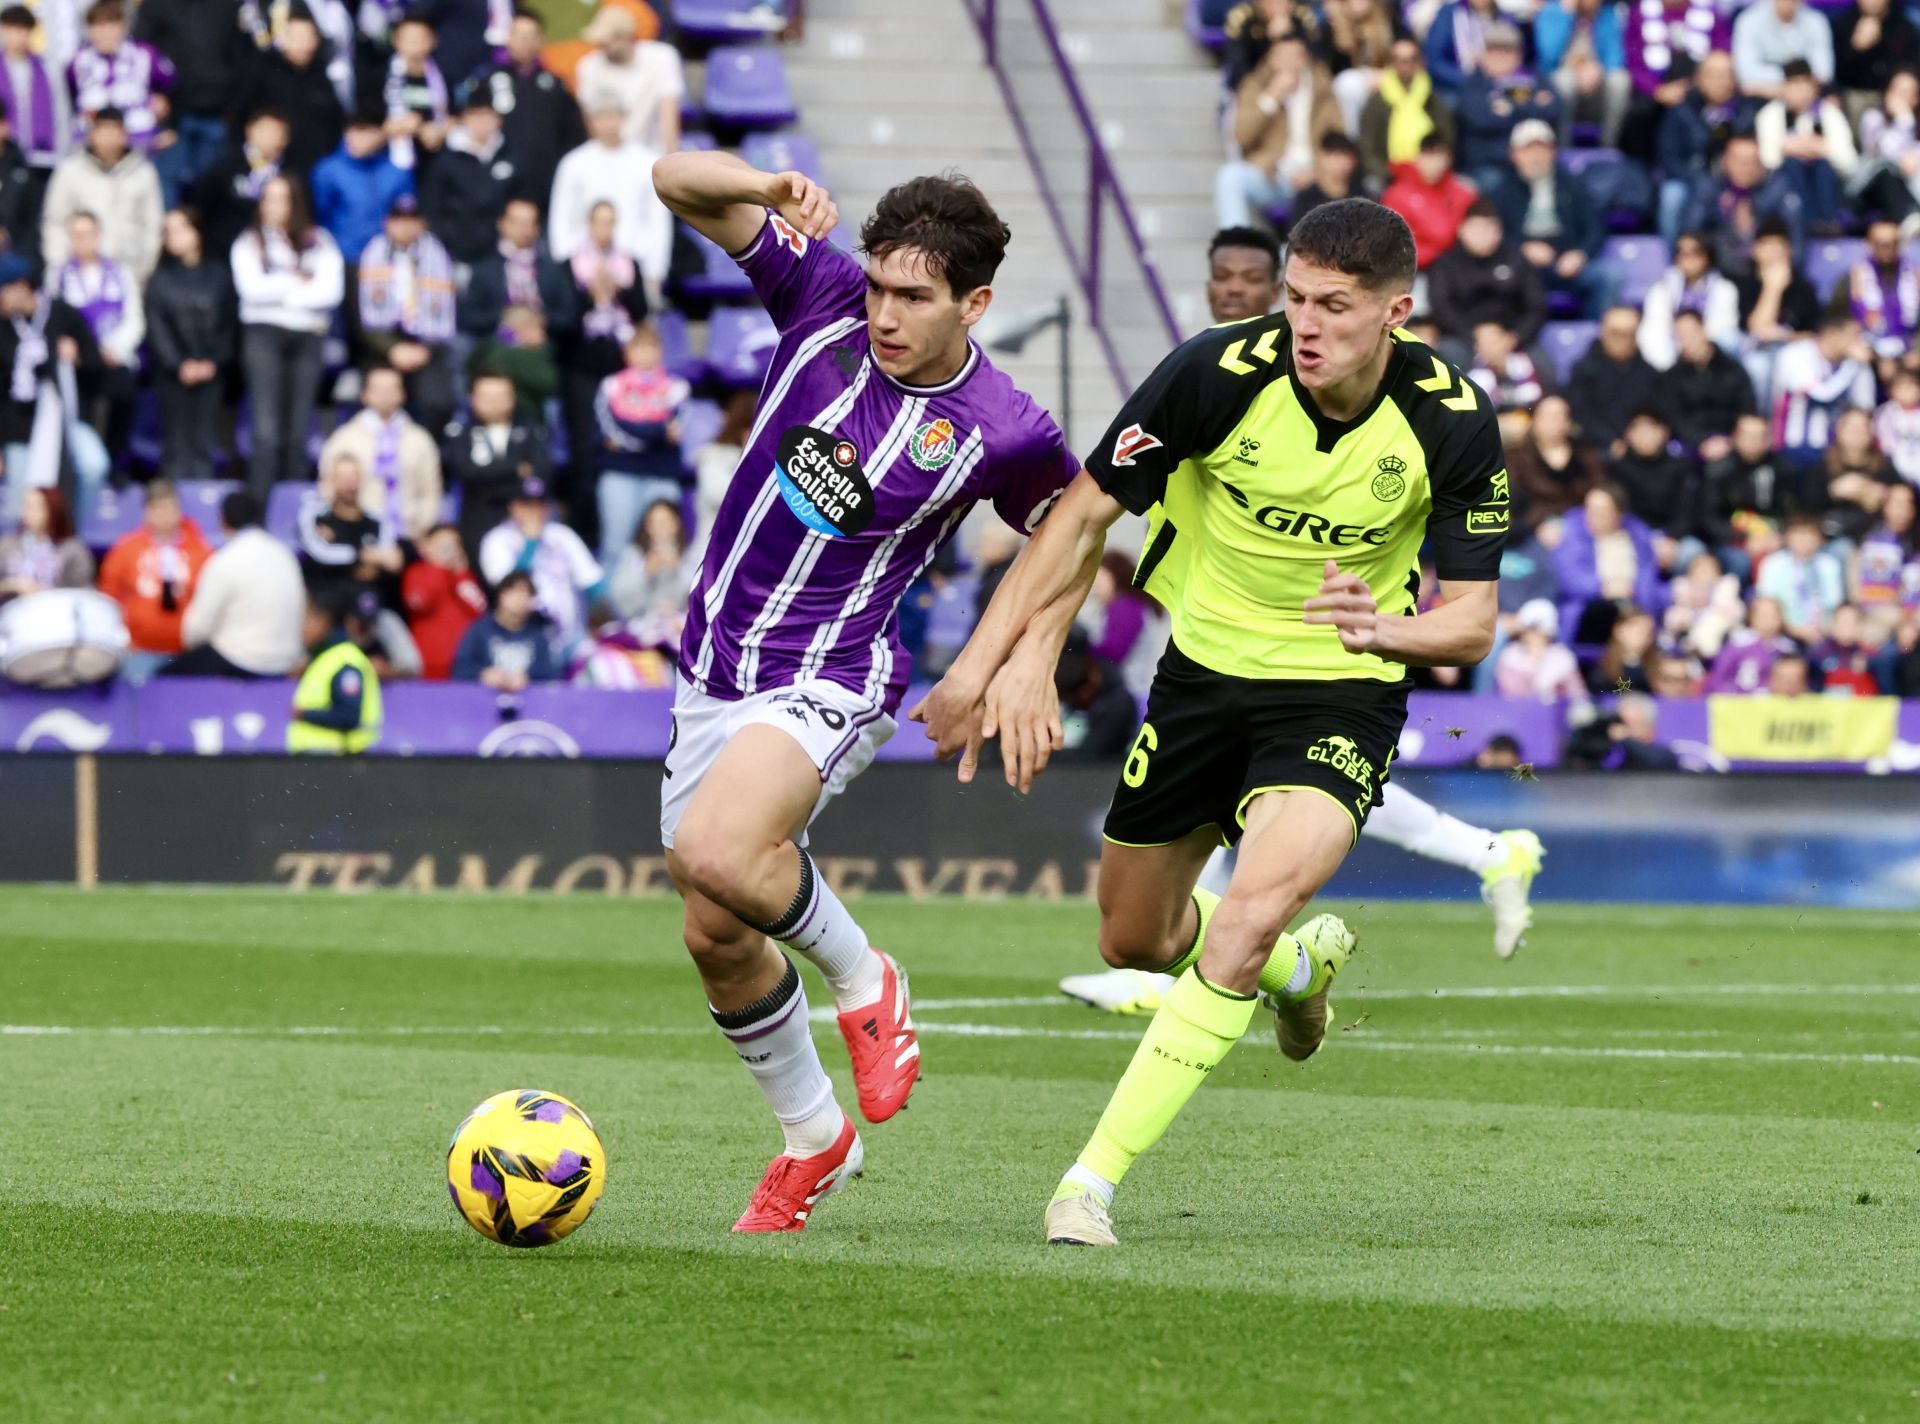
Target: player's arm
[
  {"x": 1459, "y": 633},
  {"x": 1022, "y": 704},
  {"x": 725, "y": 199}
]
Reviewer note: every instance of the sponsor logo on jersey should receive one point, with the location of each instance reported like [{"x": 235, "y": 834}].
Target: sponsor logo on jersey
[
  {"x": 1249, "y": 447},
  {"x": 787, "y": 235},
  {"x": 1499, "y": 494},
  {"x": 1487, "y": 521},
  {"x": 1344, "y": 757},
  {"x": 1391, "y": 482},
  {"x": 932, "y": 445},
  {"x": 1306, "y": 524},
  {"x": 821, "y": 480},
  {"x": 1133, "y": 441}
]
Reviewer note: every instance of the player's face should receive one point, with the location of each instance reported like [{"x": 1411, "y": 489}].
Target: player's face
[
  {"x": 1242, "y": 283},
  {"x": 1338, "y": 322},
  {"x": 917, "y": 327}
]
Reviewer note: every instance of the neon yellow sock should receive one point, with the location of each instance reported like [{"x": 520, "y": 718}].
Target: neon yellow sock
[
  {"x": 1206, "y": 902},
  {"x": 1281, "y": 973},
  {"x": 1196, "y": 1025}
]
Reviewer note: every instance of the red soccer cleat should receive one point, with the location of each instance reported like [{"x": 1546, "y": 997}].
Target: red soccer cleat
[
  {"x": 883, "y": 1046},
  {"x": 786, "y": 1196}
]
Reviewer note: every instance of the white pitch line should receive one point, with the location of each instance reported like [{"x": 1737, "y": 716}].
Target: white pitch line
[
  {"x": 1508, "y": 991},
  {"x": 344, "y": 1031}
]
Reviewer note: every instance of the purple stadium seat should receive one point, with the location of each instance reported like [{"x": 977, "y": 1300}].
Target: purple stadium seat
[
  {"x": 200, "y": 502},
  {"x": 450, "y": 507},
  {"x": 115, "y": 512},
  {"x": 747, "y": 88},
  {"x": 721, "y": 280},
  {"x": 678, "y": 347},
  {"x": 698, "y": 141},
  {"x": 1828, "y": 260},
  {"x": 283, "y": 510},
  {"x": 1565, "y": 342},
  {"x": 779, "y": 152},
  {"x": 1639, "y": 261},
  {"x": 1207, "y": 36},
  {"x": 699, "y": 423},
  {"x": 717, "y": 21},
  {"x": 740, "y": 345},
  {"x": 1619, "y": 187}
]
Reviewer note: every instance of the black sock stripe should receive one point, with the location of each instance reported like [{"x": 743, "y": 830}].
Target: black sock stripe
[
  {"x": 764, "y": 1007},
  {"x": 802, "y": 902}
]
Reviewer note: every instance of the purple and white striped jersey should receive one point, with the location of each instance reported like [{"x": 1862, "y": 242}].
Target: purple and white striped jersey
[{"x": 850, "y": 484}]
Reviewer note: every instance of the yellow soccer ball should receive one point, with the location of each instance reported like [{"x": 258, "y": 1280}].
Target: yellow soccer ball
[{"x": 525, "y": 1168}]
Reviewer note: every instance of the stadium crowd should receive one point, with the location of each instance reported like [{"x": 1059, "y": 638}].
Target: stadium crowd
[{"x": 399, "y": 273}]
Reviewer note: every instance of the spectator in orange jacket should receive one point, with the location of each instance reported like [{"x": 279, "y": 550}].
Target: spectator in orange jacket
[
  {"x": 1431, "y": 197},
  {"x": 151, "y": 573}
]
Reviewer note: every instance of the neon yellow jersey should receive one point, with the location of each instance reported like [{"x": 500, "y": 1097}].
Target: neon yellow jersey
[{"x": 1249, "y": 491}]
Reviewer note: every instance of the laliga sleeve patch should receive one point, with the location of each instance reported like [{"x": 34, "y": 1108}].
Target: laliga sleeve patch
[{"x": 822, "y": 482}]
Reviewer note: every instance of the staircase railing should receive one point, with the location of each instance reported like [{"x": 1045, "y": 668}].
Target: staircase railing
[{"x": 1126, "y": 304}]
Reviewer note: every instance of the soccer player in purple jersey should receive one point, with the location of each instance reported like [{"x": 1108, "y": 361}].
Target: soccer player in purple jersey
[{"x": 881, "y": 425}]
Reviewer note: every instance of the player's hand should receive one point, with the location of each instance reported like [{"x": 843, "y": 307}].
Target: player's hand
[
  {"x": 1023, "y": 710},
  {"x": 1347, "y": 605},
  {"x": 807, "y": 205},
  {"x": 952, "y": 714}
]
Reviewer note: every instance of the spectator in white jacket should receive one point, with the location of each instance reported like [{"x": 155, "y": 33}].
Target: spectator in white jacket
[
  {"x": 244, "y": 620},
  {"x": 1805, "y": 137},
  {"x": 401, "y": 460},
  {"x": 119, "y": 187},
  {"x": 1692, "y": 284},
  {"x": 1768, "y": 33},
  {"x": 290, "y": 281},
  {"x": 607, "y": 168}
]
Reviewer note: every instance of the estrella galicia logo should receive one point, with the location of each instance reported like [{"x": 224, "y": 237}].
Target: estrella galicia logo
[
  {"x": 821, "y": 480},
  {"x": 1391, "y": 482}
]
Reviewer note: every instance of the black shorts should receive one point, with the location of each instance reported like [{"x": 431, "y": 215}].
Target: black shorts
[{"x": 1211, "y": 743}]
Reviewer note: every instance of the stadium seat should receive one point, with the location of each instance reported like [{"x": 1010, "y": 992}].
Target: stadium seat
[
  {"x": 698, "y": 141},
  {"x": 1638, "y": 261},
  {"x": 283, "y": 510},
  {"x": 1619, "y": 187},
  {"x": 200, "y": 502},
  {"x": 779, "y": 152},
  {"x": 115, "y": 512},
  {"x": 721, "y": 279},
  {"x": 717, "y": 21},
  {"x": 1565, "y": 342},
  {"x": 740, "y": 345},
  {"x": 1828, "y": 260},
  {"x": 699, "y": 423},
  {"x": 450, "y": 508},
  {"x": 747, "y": 88},
  {"x": 1213, "y": 37},
  {"x": 677, "y": 346}
]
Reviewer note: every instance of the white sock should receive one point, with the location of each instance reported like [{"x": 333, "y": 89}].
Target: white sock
[
  {"x": 819, "y": 926},
  {"x": 1302, "y": 971},
  {"x": 775, "y": 1041},
  {"x": 1218, "y": 871},
  {"x": 1404, "y": 820},
  {"x": 1092, "y": 1180}
]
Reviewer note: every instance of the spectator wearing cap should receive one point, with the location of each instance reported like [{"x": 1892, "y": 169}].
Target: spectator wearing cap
[
  {"x": 1690, "y": 284},
  {"x": 1483, "y": 277},
  {"x": 488, "y": 454},
  {"x": 243, "y": 619},
  {"x": 192, "y": 333},
  {"x": 1705, "y": 391},
  {"x": 539, "y": 117},
  {"x": 513, "y": 644},
  {"x": 443, "y": 599},
  {"x": 356, "y": 185},
  {"x": 104, "y": 294},
  {"x": 1495, "y": 101},
  {"x": 290, "y": 281},
  {"x": 1535, "y": 666},
  {"x": 227, "y": 192},
  {"x": 1612, "y": 381},
  {"x": 609, "y": 169},
  {"x": 1579, "y": 45},
  {"x": 466, "y": 189},
  {"x": 40, "y": 335},
  {"x": 35, "y": 96},
  {"x": 118, "y": 186},
  {"x": 414, "y": 93},
  {"x": 210, "y": 58},
  {"x": 1555, "y": 218},
  {"x": 1693, "y": 134},
  {"x": 1456, "y": 43},
  {"x": 404, "y": 309},
  {"x": 111, "y": 71},
  {"x": 1281, "y": 112},
  {"x": 1404, "y": 110},
  {"x": 518, "y": 271},
  {"x": 151, "y": 573},
  {"x": 1768, "y": 34},
  {"x": 1805, "y": 139},
  {"x": 1432, "y": 198},
  {"x": 644, "y": 74},
  {"x": 292, "y": 79},
  {"x": 566, "y": 577},
  {"x": 1334, "y": 162},
  {"x": 397, "y": 457}
]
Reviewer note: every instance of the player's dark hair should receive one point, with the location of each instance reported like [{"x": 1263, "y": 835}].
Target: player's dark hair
[
  {"x": 1256, "y": 238},
  {"x": 947, "y": 220},
  {"x": 1359, "y": 237}
]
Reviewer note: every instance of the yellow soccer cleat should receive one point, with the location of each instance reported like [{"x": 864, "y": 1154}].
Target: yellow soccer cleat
[
  {"x": 1300, "y": 1020},
  {"x": 1119, "y": 991},
  {"x": 1506, "y": 888}
]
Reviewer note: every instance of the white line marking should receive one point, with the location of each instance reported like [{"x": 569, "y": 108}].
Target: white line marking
[
  {"x": 344, "y": 1031},
  {"x": 1512, "y": 991}
]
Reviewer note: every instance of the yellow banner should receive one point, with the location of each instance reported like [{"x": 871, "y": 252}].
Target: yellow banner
[{"x": 1802, "y": 728}]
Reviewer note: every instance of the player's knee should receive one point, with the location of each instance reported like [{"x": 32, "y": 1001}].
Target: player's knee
[
  {"x": 720, "y": 861},
  {"x": 1130, "y": 946},
  {"x": 723, "y": 951}
]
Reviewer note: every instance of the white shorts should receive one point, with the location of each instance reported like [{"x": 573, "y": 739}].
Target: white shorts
[{"x": 839, "y": 730}]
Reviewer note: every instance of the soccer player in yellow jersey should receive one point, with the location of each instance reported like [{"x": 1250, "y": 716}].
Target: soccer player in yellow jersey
[{"x": 1298, "y": 462}]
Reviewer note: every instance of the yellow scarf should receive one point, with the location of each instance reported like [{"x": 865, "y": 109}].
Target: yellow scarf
[{"x": 1408, "y": 122}]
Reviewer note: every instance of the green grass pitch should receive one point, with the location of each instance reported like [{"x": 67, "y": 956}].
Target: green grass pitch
[{"x": 1661, "y": 1167}]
